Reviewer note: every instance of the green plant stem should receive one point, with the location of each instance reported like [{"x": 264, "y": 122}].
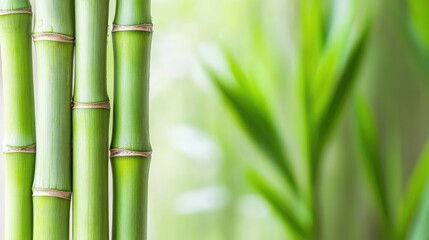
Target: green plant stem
[
  {"x": 53, "y": 121},
  {"x": 90, "y": 125},
  {"x": 130, "y": 120},
  {"x": 17, "y": 74}
]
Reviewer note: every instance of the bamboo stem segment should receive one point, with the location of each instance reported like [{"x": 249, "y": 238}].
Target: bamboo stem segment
[
  {"x": 53, "y": 34},
  {"x": 91, "y": 123},
  {"x": 19, "y": 138},
  {"x": 131, "y": 149}
]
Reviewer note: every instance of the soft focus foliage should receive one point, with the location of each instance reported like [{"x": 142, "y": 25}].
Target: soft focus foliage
[{"x": 329, "y": 59}]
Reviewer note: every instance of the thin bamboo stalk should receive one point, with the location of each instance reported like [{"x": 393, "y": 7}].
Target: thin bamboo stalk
[
  {"x": 53, "y": 37},
  {"x": 90, "y": 123},
  {"x": 130, "y": 154},
  {"x": 20, "y": 137}
]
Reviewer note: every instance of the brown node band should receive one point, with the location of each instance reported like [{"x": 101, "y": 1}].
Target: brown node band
[
  {"x": 55, "y": 37},
  {"x": 96, "y": 105},
  {"x": 51, "y": 193},
  {"x": 128, "y": 153},
  {"x": 16, "y": 11},
  {"x": 25, "y": 149},
  {"x": 147, "y": 27}
]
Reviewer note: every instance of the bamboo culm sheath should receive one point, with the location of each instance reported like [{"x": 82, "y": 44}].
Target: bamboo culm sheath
[
  {"x": 19, "y": 139},
  {"x": 131, "y": 44},
  {"x": 90, "y": 123},
  {"x": 53, "y": 37}
]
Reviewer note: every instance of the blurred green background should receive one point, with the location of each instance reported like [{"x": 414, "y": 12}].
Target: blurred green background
[{"x": 199, "y": 184}]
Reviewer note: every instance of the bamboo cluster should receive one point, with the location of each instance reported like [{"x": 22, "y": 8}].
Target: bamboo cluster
[{"x": 72, "y": 125}]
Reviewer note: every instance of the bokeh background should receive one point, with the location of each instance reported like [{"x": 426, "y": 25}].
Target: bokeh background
[{"x": 198, "y": 183}]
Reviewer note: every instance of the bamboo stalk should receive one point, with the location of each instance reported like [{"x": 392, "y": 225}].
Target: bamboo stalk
[
  {"x": 20, "y": 137},
  {"x": 90, "y": 123},
  {"x": 53, "y": 37},
  {"x": 131, "y": 150}
]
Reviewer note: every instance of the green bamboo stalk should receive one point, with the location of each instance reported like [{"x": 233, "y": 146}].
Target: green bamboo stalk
[
  {"x": 20, "y": 137},
  {"x": 131, "y": 148},
  {"x": 53, "y": 37},
  {"x": 91, "y": 123}
]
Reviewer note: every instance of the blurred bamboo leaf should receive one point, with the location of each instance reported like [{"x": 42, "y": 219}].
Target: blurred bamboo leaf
[
  {"x": 414, "y": 190},
  {"x": 393, "y": 166},
  {"x": 286, "y": 210},
  {"x": 418, "y": 10},
  {"x": 367, "y": 137},
  {"x": 419, "y": 228},
  {"x": 414, "y": 27},
  {"x": 342, "y": 89},
  {"x": 324, "y": 64},
  {"x": 258, "y": 124},
  {"x": 312, "y": 35}
]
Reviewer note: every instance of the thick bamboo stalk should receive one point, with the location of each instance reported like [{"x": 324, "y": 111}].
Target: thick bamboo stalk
[
  {"x": 19, "y": 139},
  {"x": 130, "y": 154},
  {"x": 53, "y": 37},
  {"x": 90, "y": 123}
]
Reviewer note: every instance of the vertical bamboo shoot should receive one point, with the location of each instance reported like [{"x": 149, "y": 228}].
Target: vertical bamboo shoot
[{"x": 130, "y": 147}]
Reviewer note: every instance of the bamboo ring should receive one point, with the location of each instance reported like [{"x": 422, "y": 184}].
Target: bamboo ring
[
  {"x": 25, "y": 149},
  {"x": 96, "y": 105},
  {"x": 51, "y": 193},
  {"x": 16, "y": 11},
  {"x": 147, "y": 27},
  {"x": 128, "y": 153},
  {"x": 55, "y": 37}
]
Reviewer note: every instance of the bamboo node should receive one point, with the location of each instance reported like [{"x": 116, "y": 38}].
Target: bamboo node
[
  {"x": 147, "y": 27},
  {"x": 25, "y": 149},
  {"x": 51, "y": 193},
  {"x": 128, "y": 153},
  {"x": 95, "y": 105},
  {"x": 55, "y": 37},
  {"x": 16, "y": 11}
]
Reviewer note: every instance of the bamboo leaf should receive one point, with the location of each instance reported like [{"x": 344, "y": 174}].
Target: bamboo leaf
[
  {"x": 419, "y": 227},
  {"x": 393, "y": 170},
  {"x": 257, "y": 122},
  {"x": 415, "y": 27},
  {"x": 415, "y": 189},
  {"x": 289, "y": 215},
  {"x": 236, "y": 70},
  {"x": 312, "y": 36},
  {"x": 418, "y": 10},
  {"x": 342, "y": 89},
  {"x": 366, "y": 134}
]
